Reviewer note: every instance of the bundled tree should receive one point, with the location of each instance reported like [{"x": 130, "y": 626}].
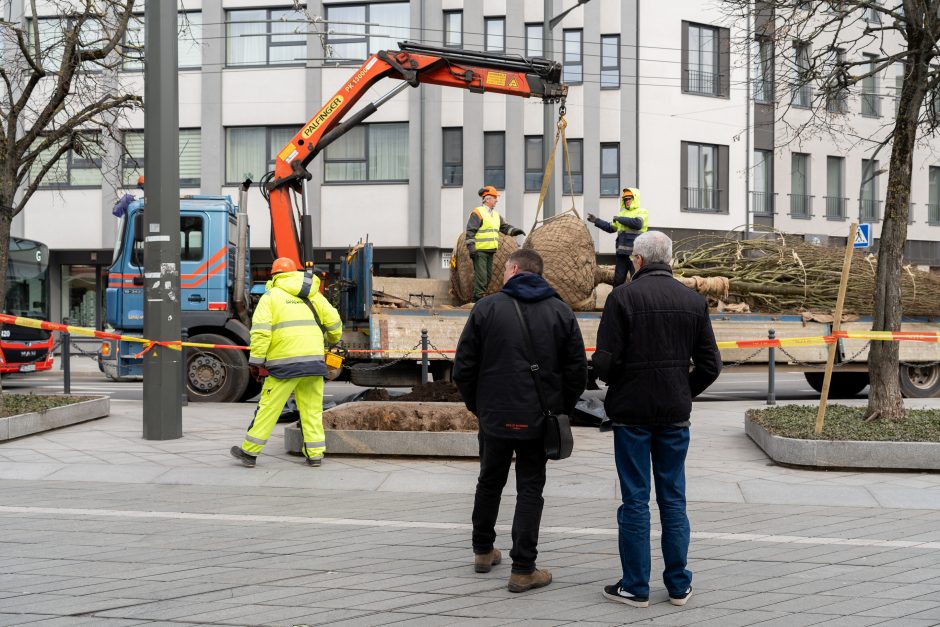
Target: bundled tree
[
  {"x": 58, "y": 94},
  {"x": 840, "y": 48}
]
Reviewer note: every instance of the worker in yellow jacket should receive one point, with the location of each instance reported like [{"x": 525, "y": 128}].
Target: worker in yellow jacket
[
  {"x": 287, "y": 333},
  {"x": 483, "y": 228},
  {"x": 630, "y": 223}
]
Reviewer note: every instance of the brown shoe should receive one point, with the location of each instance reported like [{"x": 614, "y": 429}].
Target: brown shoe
[
  {"x": 483, "y": 562},
  {"x": 520, "y": 582}
]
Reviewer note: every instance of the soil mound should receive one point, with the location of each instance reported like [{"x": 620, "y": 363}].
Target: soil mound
[
  {"x": 436, "y": 392},
  {"x": 395, "y": 416}
]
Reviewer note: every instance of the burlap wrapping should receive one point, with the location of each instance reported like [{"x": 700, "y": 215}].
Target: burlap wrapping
[
  {"x": 567, "y": 249},
  {"x": 461, "y": 272}
]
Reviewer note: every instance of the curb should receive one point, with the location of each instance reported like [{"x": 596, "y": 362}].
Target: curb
[
  {"x": 845, "y": 453},
  {"x": 20, "y": 425}
]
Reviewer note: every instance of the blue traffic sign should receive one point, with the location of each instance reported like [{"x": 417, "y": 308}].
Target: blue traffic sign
[{"x": 863, "y": 236}]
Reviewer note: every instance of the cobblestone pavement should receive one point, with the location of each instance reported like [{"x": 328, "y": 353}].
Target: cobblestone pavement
[{"x": 100, "y": 527}]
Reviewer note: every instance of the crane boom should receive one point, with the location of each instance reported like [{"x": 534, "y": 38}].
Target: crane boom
[{"x": 414, "y": 64}]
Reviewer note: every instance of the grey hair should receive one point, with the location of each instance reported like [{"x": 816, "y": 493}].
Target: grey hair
[{"x": 654, "y": 247}]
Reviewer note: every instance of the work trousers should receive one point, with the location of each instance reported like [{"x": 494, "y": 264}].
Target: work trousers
[
  {"x": 482, "y": 269},
  {"x": 624, "y": 266},
  {"x": 634, "y": 449},
  {"x": 495, "y": 459},
  {"x": 308, "y": 392}
]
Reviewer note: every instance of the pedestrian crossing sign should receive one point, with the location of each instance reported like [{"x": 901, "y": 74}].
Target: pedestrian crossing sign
[{"x": 863, "y": 236}]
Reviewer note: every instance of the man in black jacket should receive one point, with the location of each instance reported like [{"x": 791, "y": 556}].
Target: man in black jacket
[
  {"x": 650, "y": 332},
  {"x": 492, "y": 371}
]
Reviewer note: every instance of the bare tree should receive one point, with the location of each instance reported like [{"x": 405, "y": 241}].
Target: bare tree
[
  {"x": 53, "y": 101},
  {"x": 828, "y": 54}
]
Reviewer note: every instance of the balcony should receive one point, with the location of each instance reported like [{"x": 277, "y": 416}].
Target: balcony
[
  {"x": 764, "y": 92},
  {"x": 705, "y": 83},
  {"x": 837, "y": 208},
  {"x": 871, "y": 105},
  {"x": 837, "y": 102},
  {"x": 933, "y": 214},
  {"x": 702, "y": 199},
  {"x": 763, "y": 203},
  {"x": 869, "y": 210},
  {"x": 802, "y": 96},
  {"x": 801, "y": 206}
]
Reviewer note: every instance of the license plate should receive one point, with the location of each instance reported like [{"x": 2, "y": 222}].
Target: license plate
[{"x": 28, "y": 368}]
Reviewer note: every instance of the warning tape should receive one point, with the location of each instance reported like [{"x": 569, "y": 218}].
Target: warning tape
[{"x": 885, "y": 336}]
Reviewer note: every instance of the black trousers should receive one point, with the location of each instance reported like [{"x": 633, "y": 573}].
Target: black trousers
[
  {"x": 623, "y": 266},
  {"x": 495, "y": 459}
]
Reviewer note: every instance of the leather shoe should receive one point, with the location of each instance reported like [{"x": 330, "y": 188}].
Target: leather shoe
[
  {"x": 484, "y": 562},
  {"x": 520, "y": 582}
]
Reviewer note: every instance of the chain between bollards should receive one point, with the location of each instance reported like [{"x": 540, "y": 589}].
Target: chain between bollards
[{"x": 771, "y": 367}]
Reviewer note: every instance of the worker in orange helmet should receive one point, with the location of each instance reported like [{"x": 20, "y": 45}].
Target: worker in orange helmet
[
  {"x": 287, "y": 344},
  {"x": 483, "y": 229}
]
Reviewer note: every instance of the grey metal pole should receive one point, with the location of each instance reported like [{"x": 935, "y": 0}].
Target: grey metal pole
[
  {"x": 66, "y": 362},
  {"x": 771, "y": 367},
  {"x": 163, "y": 414},
  {"x": 424, "y": 356},
  {"x": 548, "y": 114}
]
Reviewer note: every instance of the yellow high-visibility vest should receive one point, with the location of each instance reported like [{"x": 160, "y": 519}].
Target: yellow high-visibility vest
[{"x": 487, "y": 236}]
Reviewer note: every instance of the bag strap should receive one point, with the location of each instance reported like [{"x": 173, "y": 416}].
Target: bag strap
[{"x": 530, "y": 353}]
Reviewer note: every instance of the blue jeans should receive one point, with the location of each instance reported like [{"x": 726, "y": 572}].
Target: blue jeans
[{"x": 634, "y": 449}]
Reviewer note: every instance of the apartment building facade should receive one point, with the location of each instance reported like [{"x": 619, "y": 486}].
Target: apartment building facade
[{"x": 662, "y": 97}]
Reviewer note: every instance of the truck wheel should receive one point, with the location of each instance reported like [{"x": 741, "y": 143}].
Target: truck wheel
[
  {"x": 920, "y": 381},
  {"x": 215, "y": 375},
  {"x": 843, "y": 384}
]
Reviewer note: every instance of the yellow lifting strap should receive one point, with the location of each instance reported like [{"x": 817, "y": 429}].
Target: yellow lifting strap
[{"x": 550, "y": 169}]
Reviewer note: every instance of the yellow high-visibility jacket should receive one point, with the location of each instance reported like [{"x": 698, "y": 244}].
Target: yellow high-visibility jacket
[{"x": 285, "y": 337}]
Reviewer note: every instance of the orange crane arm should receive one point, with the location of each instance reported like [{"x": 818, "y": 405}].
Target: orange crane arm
[{"x": 414, "y": 64}]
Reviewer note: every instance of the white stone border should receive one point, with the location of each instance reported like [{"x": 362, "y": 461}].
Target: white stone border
[{"x": 20, "y": 425}]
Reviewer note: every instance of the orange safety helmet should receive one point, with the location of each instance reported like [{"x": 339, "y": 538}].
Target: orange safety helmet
[
  {"x": 488, "y": 190},
  {"x": 283, "y": 264}
]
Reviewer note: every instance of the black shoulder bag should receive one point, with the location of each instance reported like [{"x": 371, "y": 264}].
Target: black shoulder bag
[{"x": 559, "y": 441}]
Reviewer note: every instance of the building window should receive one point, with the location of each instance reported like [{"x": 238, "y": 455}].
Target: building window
[
  {"x": 573, "y": 62},
  {"x": 701, "y": 73},
  {"x": 576, "y": 161},
  {"x": 77, "y": 167},
  {"x": 762, "y": 195},
  {"x": 871, "y": 102},
  {"x": 836, "y": 203},
  {"x": 610, "y": 61},
  {"x": 494, "y": 159},
  {"x": 533, "y": 40},
  {"x": 368, "y": 29},
  {"x": 872, "y": 15},
  {"x": 452, "y": 152},
  {"x": 250, "y": 150},
  {"x": 800, "y": 200},
  {"x": 802, "y": 91},
  {"x": 453, "y": 28},
  {"x": 933, "y": 196},
  {"x": 837, "y": 96},
  {"x": 495, "y": 34},
  {"x": 533, "y": 163},
  {"x": 701, "y": 190},
  {"x": 52, "y": 34},
  {"x": 189, "y": 42},
  {"x": 898, "y": 84},
  {"x": 80, "y": 295},
  {"x": 764, "y": 71},
  {"x": 610, "y": 169},
  {"x": 190, "y": 157},
  {"x": 265, "y": 37},
  {"x": 869, "y": 205},
  {"x": 369, "y": 153}
]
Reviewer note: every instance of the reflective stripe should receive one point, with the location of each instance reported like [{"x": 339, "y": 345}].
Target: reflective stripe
[
  {"x": 336, "y": 325},
  {"x": 256, "y": 361},
  {"x": 294, "y": 360},
  {"x": 263, "y": 326},
  {"x": 314, "y": 444},
  {"x": 306, "y": 285},
  {"x": 255, "y": 440},
  {"x": 294, "y": 323}
]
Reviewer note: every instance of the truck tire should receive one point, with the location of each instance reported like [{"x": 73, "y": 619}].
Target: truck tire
[
  {"x": 843, "y": 384},
  {"x": 920, "y": 381},
  {"x": 215, "y": 375}
]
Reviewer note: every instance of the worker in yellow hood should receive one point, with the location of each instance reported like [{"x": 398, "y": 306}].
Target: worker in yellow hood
[{"x": 628, "y": 224}]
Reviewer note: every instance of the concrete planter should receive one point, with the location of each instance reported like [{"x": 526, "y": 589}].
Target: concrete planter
[
  {"x": 437, "y": 441},
  {"x": 27, "y": 424},
  {"x": 845, "y": 453}
]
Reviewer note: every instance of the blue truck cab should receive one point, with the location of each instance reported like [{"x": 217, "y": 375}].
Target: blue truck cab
[{"x": 213, "y": 312}]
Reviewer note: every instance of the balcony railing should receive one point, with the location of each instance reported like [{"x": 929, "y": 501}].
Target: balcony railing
[
  {"x": 837, "y": 102},
  {"x": 933, "y": 214},
  {"x": 802, "y": 96},
  {"x": 836, "y": 208},
  {"x": 764, "y": 92},
  {"x": 869, "y": 210},
  {"x": 708, "y": 83},
  {"x": 871, "y": 105},
  {"x": 801, "y": 206},
  {"x": 762, "y": 203},
  {"x": 704, "y": 199}
]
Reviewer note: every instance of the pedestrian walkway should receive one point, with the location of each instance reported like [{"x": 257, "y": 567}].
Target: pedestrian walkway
[{"x": 101, "y": 527}]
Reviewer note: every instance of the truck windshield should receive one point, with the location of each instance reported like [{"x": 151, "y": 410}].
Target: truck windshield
[
  {"x": 27, "y": 279},
  {"x": 191, "y": 244}
]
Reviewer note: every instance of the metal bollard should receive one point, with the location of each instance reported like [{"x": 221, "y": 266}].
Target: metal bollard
[
  {"x": 424, "y": 356},
  {"x": 66, "y": 363},
  {"x": 771, "y": 367},
  {"x": 184, "y": 391}
]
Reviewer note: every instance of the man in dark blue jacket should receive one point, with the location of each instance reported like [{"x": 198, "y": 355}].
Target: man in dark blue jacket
[
  {"x": 492, "y": 371},
  {"x": 652, "y": 329},
  {"x": 632, "y": 221}
]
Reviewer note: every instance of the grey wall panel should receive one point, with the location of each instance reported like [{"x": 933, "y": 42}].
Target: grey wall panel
[
  {"x": 213, "y": 62},
  {"x": 511, "y": 203},
  {"x": 313, "y": 92},
  {"x": 630, "y": 95}
]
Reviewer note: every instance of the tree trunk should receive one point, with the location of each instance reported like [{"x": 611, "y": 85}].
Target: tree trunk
[{"x": 884, "y": 398}]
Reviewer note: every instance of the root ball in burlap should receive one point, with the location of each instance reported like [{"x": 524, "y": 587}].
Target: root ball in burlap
[
  {"x": 461, "y": 271},
  {"x": 567, "y": 249}
]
